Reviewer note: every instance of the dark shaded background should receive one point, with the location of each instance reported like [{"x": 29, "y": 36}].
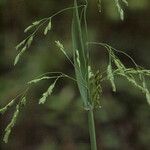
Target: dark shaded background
[{"x": 123, "y": 123}]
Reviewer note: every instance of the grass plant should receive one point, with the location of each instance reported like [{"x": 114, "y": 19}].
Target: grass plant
[{"x": 89, "y": 82}]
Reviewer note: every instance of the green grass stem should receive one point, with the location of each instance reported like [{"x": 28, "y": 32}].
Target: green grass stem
[{"x": 92, "y": 130}]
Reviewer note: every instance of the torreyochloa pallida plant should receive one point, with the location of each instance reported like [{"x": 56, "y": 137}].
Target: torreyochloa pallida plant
[{"x": 89, "y": 82}]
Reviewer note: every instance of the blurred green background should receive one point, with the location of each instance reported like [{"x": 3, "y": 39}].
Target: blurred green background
[{"x": 123, "y": 122}]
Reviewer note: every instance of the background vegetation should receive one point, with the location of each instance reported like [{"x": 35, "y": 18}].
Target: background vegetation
[{"x": 124, "y": 119}]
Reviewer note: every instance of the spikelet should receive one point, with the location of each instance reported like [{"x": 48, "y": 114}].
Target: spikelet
[
  {"x": 23, "y": 101},
  {"x": 38, "y": 80},
  {"x": 99, "y": 5},
  {"x": 36, "y": 22},
  {"x": 48, "y": 27},
  {"x": 32, "y": 26},
  {"x": 90, "y": 73},
  {"x": 4, "y": 109},
  {"x": 61, "y": 47},
  {"x": 20, "y": 44},
  {"x": 96, "y": 89},
  {"x": 78, "y": 58},
  {"x": 134, "y": 83},
  {"x": 14, "y": 118},
  {"x": 119, "y": 64},
  {"x": 125, "y": 2},
  {"x": 27, "y": 45},
  {"x": 28, "y": 28},
  {"x": 29, "y": 41},
  {"x": 120, "y": 10},
  {"x": 110, "y": 77},
  {"x": 47, "y": 93},
  {"x": 137, "y": 71},
  {"x": 18, "y": 56},
  {"x": 11, "y": 125}
]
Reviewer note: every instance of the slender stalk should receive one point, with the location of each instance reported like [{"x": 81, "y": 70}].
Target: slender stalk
[{"x": 92, "y": 130}]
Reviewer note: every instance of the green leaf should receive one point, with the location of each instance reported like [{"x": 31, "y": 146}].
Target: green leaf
[{"x": 79, "y": 44}]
